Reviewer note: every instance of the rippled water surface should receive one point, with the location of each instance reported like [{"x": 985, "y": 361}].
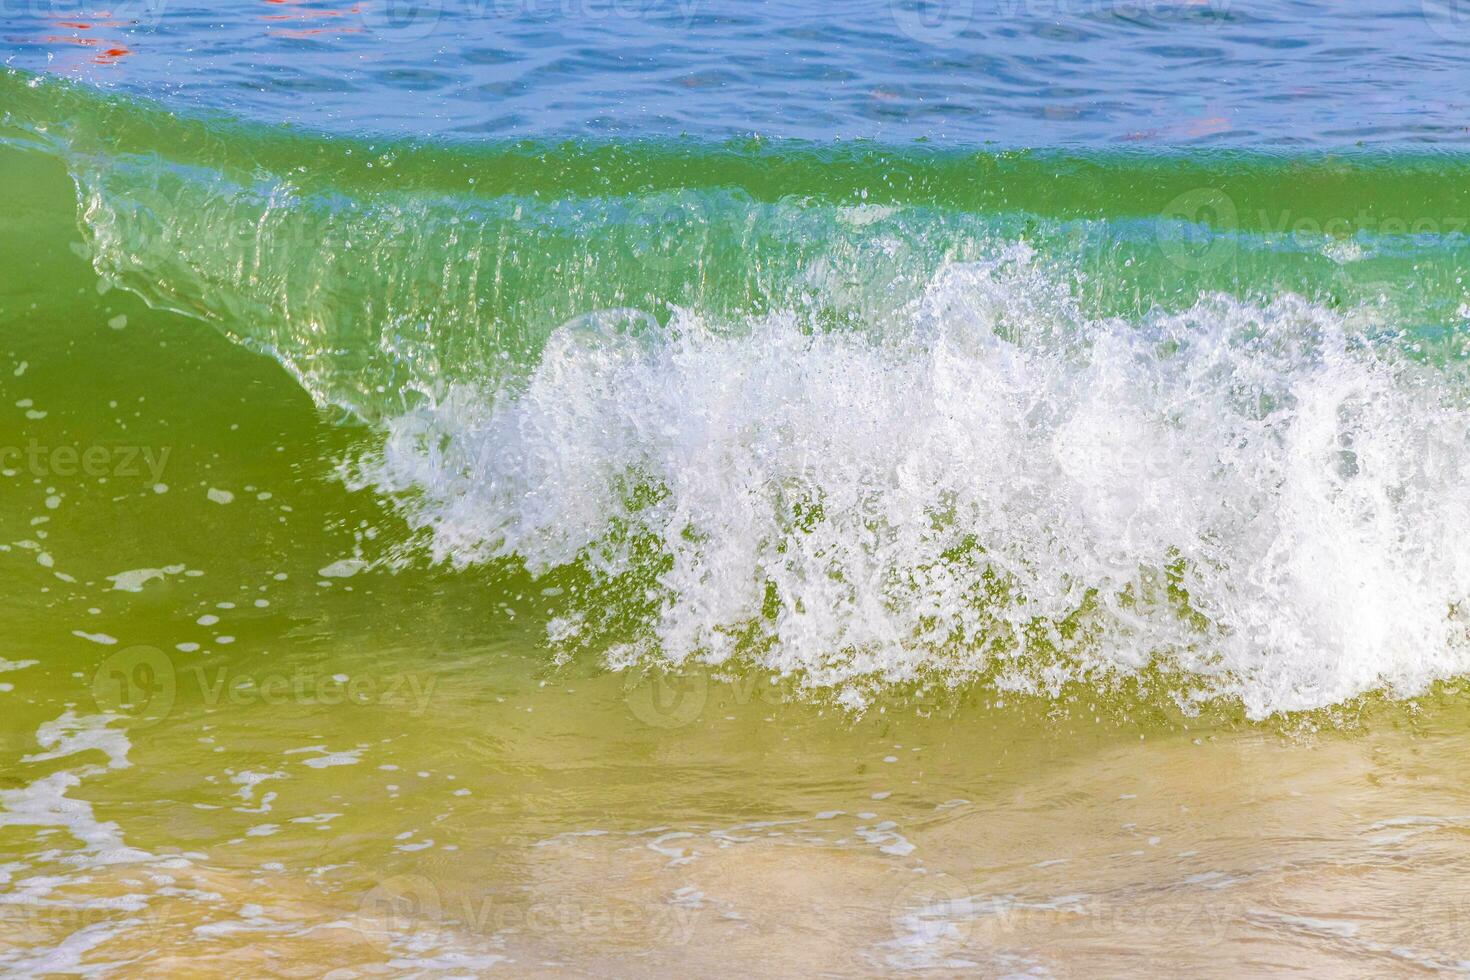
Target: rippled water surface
[
  {"x": 1297, "y": 73},
  {"x": 467, "y": 508}
]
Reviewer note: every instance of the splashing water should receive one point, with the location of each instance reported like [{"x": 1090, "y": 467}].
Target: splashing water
[{"x": 1252, "y": 494}]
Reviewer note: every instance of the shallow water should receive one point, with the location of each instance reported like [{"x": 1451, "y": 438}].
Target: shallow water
[{"x": 657, "y": 555}]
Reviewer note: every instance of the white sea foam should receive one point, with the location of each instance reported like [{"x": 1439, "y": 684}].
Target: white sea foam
[
  {"x": 1262, "y": 496},
  {"x": 44, "y": 801}
]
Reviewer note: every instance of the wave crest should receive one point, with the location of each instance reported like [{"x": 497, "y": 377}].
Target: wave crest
[{"x": 1259, "y": 495}]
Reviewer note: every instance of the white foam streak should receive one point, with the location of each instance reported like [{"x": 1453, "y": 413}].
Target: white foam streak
[{"x": 998, "y": 486}]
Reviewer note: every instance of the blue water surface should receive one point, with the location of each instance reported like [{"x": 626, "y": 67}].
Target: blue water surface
[{"x": 1014, "y": 73}]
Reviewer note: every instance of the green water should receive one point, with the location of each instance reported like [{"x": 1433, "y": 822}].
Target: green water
[{"x": 290, "y": 683}]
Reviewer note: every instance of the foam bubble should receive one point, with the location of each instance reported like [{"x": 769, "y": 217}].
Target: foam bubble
[{"x": 1264, "y": 496}]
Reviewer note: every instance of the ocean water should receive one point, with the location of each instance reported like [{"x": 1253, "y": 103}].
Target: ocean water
[{"x": 652, "y": 489}]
